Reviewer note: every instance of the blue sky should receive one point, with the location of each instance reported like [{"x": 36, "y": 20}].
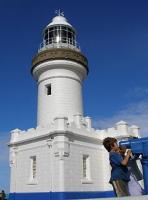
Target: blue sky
[{"x": 113, "y": 34}]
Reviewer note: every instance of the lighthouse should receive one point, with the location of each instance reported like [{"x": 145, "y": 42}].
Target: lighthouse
[
  {"x": 59, "y": 68},
  {"x": 63, "y": 156}
]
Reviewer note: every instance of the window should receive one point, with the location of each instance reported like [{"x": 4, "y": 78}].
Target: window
[
  {"x": 86, "y": 167},
  {"x": 48, "y": 89},
  {"x": 33, "y": 167},
  {"x": 59, "y": 34}
]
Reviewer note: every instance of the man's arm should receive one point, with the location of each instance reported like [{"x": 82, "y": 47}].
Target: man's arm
[{"x": 126, "y": 158}]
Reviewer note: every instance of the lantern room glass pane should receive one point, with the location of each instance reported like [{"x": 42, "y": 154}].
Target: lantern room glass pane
[{"x": 59, "y": 34}]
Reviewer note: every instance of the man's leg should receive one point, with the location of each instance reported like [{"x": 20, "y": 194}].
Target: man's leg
[{"x": 120, "y": 188}]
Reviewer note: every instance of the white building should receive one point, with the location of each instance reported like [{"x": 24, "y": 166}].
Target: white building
[{"x": 63, "y": 157}]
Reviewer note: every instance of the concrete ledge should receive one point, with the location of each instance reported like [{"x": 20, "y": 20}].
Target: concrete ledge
[{"x": 144, "y": 197}]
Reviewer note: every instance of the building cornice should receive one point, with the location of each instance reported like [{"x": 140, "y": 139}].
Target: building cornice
[{"x": 53, "y": 133}]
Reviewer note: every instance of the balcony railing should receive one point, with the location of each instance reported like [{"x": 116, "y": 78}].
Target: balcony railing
[{"x": 59, "y": 43}]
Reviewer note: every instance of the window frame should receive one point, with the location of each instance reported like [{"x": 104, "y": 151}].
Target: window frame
[
  {"x": 86, "y": 179},
  {"x": 33, "y": 168},
  {"x": 48, "y": 89},
  {"x": 86, "y": 168}
]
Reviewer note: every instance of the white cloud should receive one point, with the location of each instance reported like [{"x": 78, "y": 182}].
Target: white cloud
[
  {"x": 134, "y": 114},
  {"x": 137, "y": 93}
]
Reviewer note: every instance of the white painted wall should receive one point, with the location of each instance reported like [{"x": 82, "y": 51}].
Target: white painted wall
[
  {"x": 65, "y": 78},
  {"x": 59, "y": 149},
  {"x": 22, "y": 182}
]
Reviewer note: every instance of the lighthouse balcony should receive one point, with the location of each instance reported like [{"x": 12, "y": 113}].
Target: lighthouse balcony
[{"x": 56, "y": 43}]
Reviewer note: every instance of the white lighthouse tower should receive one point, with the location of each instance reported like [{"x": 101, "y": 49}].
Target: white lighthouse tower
[
  {"x": 60, "y": 69},
  {"x": 63, "y": 157}
]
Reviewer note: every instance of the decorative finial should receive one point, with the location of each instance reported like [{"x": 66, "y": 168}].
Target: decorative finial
[{"x": 59, "y": 13}]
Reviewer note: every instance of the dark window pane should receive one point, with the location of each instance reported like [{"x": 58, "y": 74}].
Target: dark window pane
[
  {"x": 63, "y": 33},
  {"x": 50, "y": 35},
  {"x": 48, "y": 89},
  {"x": 46, "y": 35},
  {"x": 69, "y": 29},
  {"x": 55, "y": 32},
  {"x": 63, "y": 28},
  {"x": 69, "y": 35},
  {"x": 51, "y": 29}
]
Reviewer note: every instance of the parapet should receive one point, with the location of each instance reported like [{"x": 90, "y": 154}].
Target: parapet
[
  {"x": 120, "y": 130},
  {"x": 80, "y": 125}
]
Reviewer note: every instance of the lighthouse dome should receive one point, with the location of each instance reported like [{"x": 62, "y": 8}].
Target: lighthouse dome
[
  {"x": 59, "y": 20},
  {"x": 59, "y": 34}
]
